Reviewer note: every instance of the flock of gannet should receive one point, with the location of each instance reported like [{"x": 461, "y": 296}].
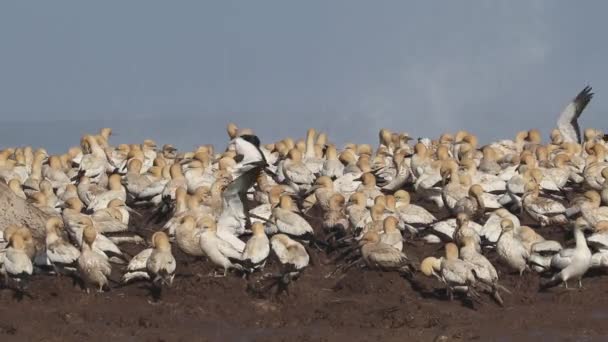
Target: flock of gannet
[{"x": 238, "y": 207}]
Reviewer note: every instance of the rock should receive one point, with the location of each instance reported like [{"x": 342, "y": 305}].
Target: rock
[{"x": 18, "y": 211}]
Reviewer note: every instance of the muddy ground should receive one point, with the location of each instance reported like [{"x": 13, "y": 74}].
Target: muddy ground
[{"x": 360, "y": 305}]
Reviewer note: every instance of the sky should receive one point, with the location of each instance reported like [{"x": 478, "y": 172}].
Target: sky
[{"x": 179, "y": 71}]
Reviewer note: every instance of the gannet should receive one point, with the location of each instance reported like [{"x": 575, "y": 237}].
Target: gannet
[
  {"x": 332, "y": 167},
  {"x": 356, "y": 210},
  {"x": 572, "y": 263},
  {"x": 457, "y": 275},
  {"x": 93, "y": 267},
  {"x": 568, "y": 119},
  {"x": 412, "y": 214},
  {"x": 473, "y": 205},
  {"x": 59, "y": 252},
  {"x": 335, "y": 218},
  {"x": 256, "y": 250},
  {"x": 321, "y": 191},
  {"x": 313, "y": 162},
  {"x": 297, "y": 175},
  {"x": 544, "y": 210},
  {"x": 491, "y": 229},
  {"x": 115, "y": 191},
  {"x": 510, "y": 249},
  {"x": 382, "y": 256},
  {"x": 161, "y": 264},
  {"x": 17, "y": 263},
  {"x": 289, "y": 222},
  {"x": 113, "y": 219},
  {"x": 391, "y": 234},
  {"x": 216, "y": 248}
]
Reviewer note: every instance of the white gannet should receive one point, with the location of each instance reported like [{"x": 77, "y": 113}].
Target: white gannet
[
  {"x": 510, "y": 249},
  {"x": 94, "y": 268},
  {"x": 256, "y": 250},
  {"x": 412, "y": 214},
  {"x": 216, "y": 248},
  {"x": 473, "y": 205},
  {"x": 289, "y": 222},
  {"x": 391, "y": 234},
  {"x": 456, "y": 274},
  {"x": 59, "y": 252},
  {"x": 17, "y": 264},
  {"x": 161, "y": 264},
  {"x": 544, "y": 210},
  {"x": 491, "y": 229},
  {"x": 297, "y": 175},
  {"x": 379, "y": 255},
  {"x": 332, "y": 167},
  {"x": 290, "y": 252},
  {"x": 572, "y": 263}
]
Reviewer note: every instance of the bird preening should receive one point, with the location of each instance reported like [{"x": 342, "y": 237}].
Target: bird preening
[{"x": 270, "y": 213}]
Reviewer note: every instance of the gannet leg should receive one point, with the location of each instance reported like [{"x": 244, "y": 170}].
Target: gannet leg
[{"x": 580, "y": 283}]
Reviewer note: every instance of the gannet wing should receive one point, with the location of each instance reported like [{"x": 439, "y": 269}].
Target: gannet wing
[{"x": 568, "y": 119}]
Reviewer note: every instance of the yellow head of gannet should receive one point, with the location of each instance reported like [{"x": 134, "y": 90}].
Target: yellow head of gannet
[
  {"x": 506, "y": 225},
  {"x": 207, "y": 222},
  {"x": 380, "y": 200},
  {"x": 476, "y": 191},
  {"x": 295, "y": 155},
  {"x": 451, "y": 251},
  {"x": 430, "y": 266},
  {"x": 286, "y": 202},
  {"x": 54, "y": 225},
  {"x": 369, "y": 237},
  {"x": 390, "y": 202},
  {"x": 531, "y": 187},
  {"x": 160, "y": 241},
  {"x": 364, "y": 149},
  {"x": 176, "y": 171},
  {"x": 114, "y": 182},
  {"x": 368, "y": 180},
  {"x": 134, "y": 166},
  {"x": 462, "y": 220},
  {"x": 336, "y": 202},
  {"x": 601, "y": 226},
  {"x": 534, "y": 136},
  {"x": 89, "y": 234},
  {"x": 390, "y": 224},
  {"x": 377, "y": 212},
  {"x": 385, "y": 136},
  {"x": 257, "y": 228},
  {"x": 593, "y": 197},
  {"x": 402, "y": 197}
]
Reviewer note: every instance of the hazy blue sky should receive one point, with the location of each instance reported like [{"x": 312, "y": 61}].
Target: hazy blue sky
[{"x": 178, "y": 71}]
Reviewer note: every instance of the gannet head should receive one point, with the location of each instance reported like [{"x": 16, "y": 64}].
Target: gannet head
[
  {"x": 369, "y": 237},
  {"x": 89, "y": 234},
  {"x": 402, "y": 196},
  {"x": 336, "y": 201},
  {"x": 160, "y": 241},
  {"x": 430, "y": 265},
  {"x": 390, "y": 224},
  {"x": 257, "y": 228},
  {"x": 451, "y": 251},
  {"x": 534, "y": 136},
  {"x": 506, "y": 225}
]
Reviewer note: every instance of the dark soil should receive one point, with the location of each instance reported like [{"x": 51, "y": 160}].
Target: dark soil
[{"x": 360, "y": 305}]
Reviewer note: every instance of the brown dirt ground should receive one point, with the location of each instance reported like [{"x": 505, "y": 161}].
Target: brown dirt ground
[{"x": 361, "y": 305}]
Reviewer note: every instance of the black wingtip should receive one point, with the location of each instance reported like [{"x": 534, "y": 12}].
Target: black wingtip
[{"x": 585, "y": 95}]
